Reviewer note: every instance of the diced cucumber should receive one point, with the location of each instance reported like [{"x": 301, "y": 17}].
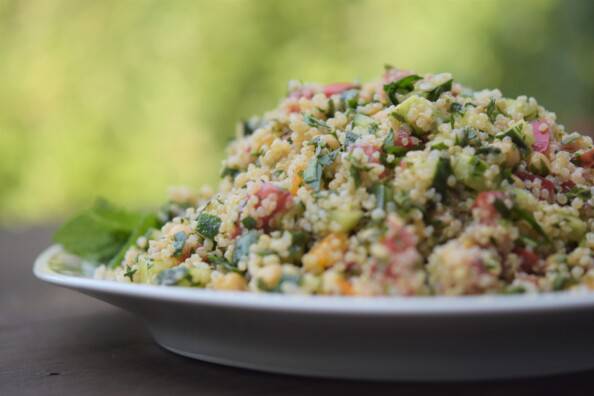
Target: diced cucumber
[
  {"x": 470, "y": 170},
  {"x": 363, "y": 124},
  {"x": 401, "y": 111}
]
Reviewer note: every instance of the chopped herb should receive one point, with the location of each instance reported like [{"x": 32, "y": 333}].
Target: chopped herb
[
  {"x": 516, "y": 134},
  {"x": 467, "y": 136},
  {"x": 514, "y": 289},
  {"x": 456, "y": 108},
  {"x": 440, "y": 146},
  {"x": 104, "y": 232},
  {"x": 383, "y": 194},
  {"x": 560, "y": 282},
  {"x": 314, "y": 122},
  {"x": 579, "y": 192},
  {"x": 130, "y": 273},
  {"x": 208, "y": 225},
  {"x": 229, "y": 172},
  {"x": 179, "y": 241},
  {"x": 249, "y": 222},
  {"x": 518, "y": 214},
  {"x": 402, "y": 87},
  {"x": 299, "y": 241},
  {"x": 222, "y": 262},
  {"x": 312, "y": 175},
  {"x": 486, "y": 150},
  {"x": 442, "y": 173},
  {"x": 248, "y": 127},
  {"x": 493, "y": 110},
  {"x": 434, "y": 94},
  {"x": 172, "y": 276},
  {"x": 356, "y": 175},
  {"x": 350, "y": 138},
  {"x": 243, "y": 244},
  {"x": 350, "y": 98}
]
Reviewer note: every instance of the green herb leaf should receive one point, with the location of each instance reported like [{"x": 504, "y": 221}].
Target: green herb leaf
[
  {"x": 493, "y": 111},
  {"x": 242, "y": 245},
  {"x": 434, "y": 94},
  {"x": 249, "y": 222},
  {"x": 220, "y": 261},
  {"x": 172, "y": 276},
  {"x": 99, "y": 233},
  {"x": 208, "y": 225},
  {"x": 402, "y": 87},
  {"x": 314, "y": 122},
  {"x": 442, "y": 173},
  {"x": 179, "y": 241},
  {"x": 229, "y": 172}
]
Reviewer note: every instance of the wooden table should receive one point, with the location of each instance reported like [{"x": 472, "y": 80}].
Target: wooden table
[{"x": 58, "y": 342}]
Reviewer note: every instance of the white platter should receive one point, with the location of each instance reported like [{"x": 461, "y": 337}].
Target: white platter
[{"x": 379, "y": 338}]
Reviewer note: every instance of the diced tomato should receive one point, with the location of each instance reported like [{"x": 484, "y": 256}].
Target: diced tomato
[
  {"x": 542, "y": 136},
  {"x": 567, "y": 185},
  {"x": 545, "y": 183},
  {"x": 398, "y": 238},
  {"x": 529, "y": 259},
  {"x": 404, "y": 139},
  {"x": 485, "y": 203},
  {"x": 336, "y": 88},
  {"x": 586, "y": 159},
  {"x": 369, "y": 150},
  {"x": 281, "y": 197},
  {"x": 303, "y": 92}
]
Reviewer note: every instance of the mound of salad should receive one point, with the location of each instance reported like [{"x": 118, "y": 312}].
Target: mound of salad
[{"x": 408, "y": 185}]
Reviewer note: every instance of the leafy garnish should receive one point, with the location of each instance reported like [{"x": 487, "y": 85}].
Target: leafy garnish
[
  {"x": 179, "y": 241},
  {"x": 434, "y": 94},
  {"x": 516, "y": 213},
  {"x": 208, "y": 225},
  {"x": 229, "y": 172},
  {"x": 579, "y": 192},
  {"x": 516, "y": 134},
  {"x": 402, "y": 87},
  {"x": 442, "y": 173},
  {"x": 314, "y": 122},
  {"x": 249, "y": 222},
  {"x": 103, "y": 232},
  {"x": 243, "y": 244},
  {"x": 493, "y": 111},
  {"x": 350, "y": 138},
  {"x": 218, "y": 260},
  {"x": 172, "y": 276}
]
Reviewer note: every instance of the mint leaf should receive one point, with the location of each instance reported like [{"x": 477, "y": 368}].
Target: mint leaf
[
  {"x": 100, "y": 233},
  {"x": 208, "y": 225}
]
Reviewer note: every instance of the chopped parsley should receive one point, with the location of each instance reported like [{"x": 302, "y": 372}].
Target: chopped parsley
[
  {"x": 403, "y": 86},
  {"x": 208, "y": 225}
]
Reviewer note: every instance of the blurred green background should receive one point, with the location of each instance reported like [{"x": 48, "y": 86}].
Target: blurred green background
[{"x": 125, "y": 98}]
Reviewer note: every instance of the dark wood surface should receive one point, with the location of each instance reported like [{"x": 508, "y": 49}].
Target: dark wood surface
[{"x": 58, "y": 342}]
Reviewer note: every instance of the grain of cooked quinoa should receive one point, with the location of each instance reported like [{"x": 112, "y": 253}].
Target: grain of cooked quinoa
[{"x": 410, "y": 185}]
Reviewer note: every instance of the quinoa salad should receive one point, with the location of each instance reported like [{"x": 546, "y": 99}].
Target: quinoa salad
[{"x": 410, "y": 185}]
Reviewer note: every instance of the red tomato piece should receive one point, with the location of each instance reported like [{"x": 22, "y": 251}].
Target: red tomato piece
[
  {"x": 336, "y": 88},
  {"x": 485, "y": 203},
  {"x": 542, "y": 136}
]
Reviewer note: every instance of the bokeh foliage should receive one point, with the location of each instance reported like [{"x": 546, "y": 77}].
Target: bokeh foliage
[{"x": 124, "y": 98}]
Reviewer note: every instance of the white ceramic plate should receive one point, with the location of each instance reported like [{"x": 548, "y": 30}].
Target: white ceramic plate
[{"x": 387, "y": 338}]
